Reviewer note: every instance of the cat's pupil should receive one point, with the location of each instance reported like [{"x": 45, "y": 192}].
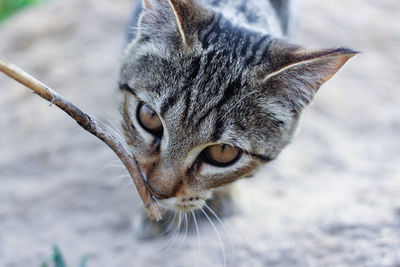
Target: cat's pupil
[
  {"x": 221, "y": 155},
  {"x": 149, "y": 120}
]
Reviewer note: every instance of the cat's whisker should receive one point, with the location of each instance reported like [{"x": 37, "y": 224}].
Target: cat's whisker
[
  {"x": 243, "y": 237},
  {"x": 186, "y": 229},
  {"x": 117, "y": 133},
  {"x": 166, "y": 231},
  {"x": 123, "y": 180},
  {"x": 127, "y": 184},
  {"x": 120, "y": 177},
  {"x": 108, "y": 164},
  {"x": 218, "y": 235},
  {"x": 176, "y": 233},
  {"x": 222, "y": 225},
  {"x": 166, "y": 221},
  {"x": 217, "y": 217},
  {"x": 178, "y": 228},
  {"x": 198, "y": 238},
  {"x": 111, "y": 166},
  {"x": 167, "y": 235},
  {"x": 115, "y": 161}
]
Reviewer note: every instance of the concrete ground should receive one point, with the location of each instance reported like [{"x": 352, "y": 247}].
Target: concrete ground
[{"x": 332, "y": 198}]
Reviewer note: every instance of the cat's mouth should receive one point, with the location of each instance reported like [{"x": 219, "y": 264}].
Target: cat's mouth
[
  {"x": 189, "y": 203},
  {"x": 182, "y": 204}
]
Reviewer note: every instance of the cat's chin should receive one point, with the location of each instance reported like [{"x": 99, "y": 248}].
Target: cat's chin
[
  {"x": 182, "y": 204},
  {"x": 218, "y": 203}
]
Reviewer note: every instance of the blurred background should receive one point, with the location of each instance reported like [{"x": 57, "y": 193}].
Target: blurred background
[{"x": 331, "y": 199}]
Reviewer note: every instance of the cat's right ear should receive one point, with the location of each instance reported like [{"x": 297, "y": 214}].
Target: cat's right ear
[
  {"x": 171, "y": 21},
  {"x": 296, "y": 74}
]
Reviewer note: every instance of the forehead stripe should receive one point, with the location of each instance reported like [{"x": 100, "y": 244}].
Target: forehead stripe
[
  {"x": 226, "y": 96},
  {"x": 255, "y": 48},
  {"x": 213, "y": 27},
  {"x": 176, "y": 94},
  {"x": 265, "y": 54},
  {"x": 168, "y": 103}
]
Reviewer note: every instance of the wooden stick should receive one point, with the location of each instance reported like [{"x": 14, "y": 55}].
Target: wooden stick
[{"x": 89, "y": 124}]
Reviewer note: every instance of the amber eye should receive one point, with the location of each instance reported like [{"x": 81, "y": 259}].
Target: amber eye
[
  {"x": 149, "y": 120},
  {"x": 221, "y": 155}
]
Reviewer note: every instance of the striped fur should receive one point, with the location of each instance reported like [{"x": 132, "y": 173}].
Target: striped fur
[{"x": 216, "y": 72}]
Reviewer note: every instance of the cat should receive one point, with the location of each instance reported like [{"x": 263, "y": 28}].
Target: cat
[{"x": 212, "y": 90}]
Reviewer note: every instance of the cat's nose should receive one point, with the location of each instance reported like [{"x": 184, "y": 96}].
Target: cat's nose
[
  {"x": 154, "y": 192},
  {"x": 160, "y": 182}
]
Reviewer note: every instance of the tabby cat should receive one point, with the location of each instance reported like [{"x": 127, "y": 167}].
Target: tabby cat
[{"x": 212, "y": 91}]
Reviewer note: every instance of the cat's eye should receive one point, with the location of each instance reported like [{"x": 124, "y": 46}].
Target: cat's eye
[
  {"x": 221, "y": 155},
  {"x": 149, "y": 120}
]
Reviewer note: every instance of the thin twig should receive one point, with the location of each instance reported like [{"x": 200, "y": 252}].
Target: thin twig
[{"x": 89, "y": 124}]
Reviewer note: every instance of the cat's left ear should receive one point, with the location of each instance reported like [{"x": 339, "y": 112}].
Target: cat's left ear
[
  {"x": 297, "y": 73},
  {"x": 169, "y": 19}
]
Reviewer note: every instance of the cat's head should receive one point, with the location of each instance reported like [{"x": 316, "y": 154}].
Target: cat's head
[{"x": 206, "y": 102}]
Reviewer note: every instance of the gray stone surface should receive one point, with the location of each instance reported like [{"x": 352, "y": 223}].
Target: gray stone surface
[{"x": 332, "y": 198}]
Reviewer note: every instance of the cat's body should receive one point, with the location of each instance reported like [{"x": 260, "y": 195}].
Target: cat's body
[{"x": 212, "y": 92}]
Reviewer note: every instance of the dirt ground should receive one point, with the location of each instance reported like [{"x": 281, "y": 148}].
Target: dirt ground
[{"x": 331, "y": 199}]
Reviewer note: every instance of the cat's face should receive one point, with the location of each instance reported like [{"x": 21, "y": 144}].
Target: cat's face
[{"x": 206, "y": 103}]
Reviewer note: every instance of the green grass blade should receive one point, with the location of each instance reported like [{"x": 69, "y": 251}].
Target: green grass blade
[
  {"x": 58, "y": 258},
  {"x": 9, "y": 7}
]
